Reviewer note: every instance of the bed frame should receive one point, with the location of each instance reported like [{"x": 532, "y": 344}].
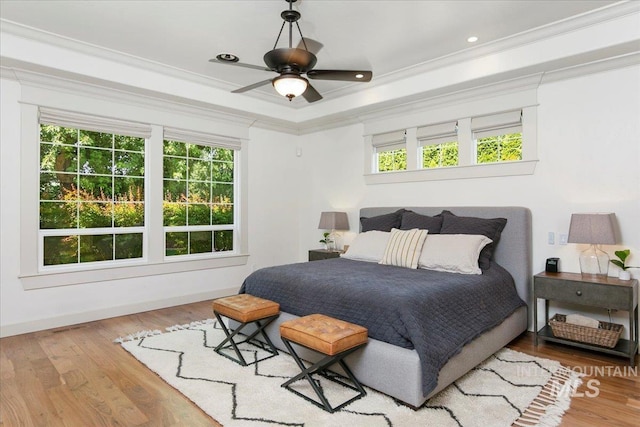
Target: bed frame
[{"x": 396, "y": 371}]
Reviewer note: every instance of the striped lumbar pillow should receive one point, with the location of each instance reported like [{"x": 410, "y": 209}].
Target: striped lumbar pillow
[{"x": 404, "y": 247}]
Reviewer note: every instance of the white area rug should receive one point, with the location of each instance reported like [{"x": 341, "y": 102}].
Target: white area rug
[{"x": 509, "y": 388}]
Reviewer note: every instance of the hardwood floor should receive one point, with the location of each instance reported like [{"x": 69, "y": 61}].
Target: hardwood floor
[{"x": 77, "y": 376}]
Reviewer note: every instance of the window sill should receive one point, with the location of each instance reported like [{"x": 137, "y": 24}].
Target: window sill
[
  {"x": 50, "y": 280},
  {"x": 524, "y": 167}
]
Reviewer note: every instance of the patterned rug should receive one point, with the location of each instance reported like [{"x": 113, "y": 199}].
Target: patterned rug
[{"x": 509, "y": 388}]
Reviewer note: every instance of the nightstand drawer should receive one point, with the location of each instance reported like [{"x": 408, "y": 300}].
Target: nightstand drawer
[
  {"x": 320, "y": 254},
  {"x": 591, "y": 294}
]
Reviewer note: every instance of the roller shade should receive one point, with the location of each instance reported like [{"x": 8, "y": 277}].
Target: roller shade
[
  {"x": 93, "y": 123},
  {"x": 183, "y": 135},
  {"x": 437, "y": 133},
  {"x": 497, "y": 124},
  {"x": 389, "y": 141}
]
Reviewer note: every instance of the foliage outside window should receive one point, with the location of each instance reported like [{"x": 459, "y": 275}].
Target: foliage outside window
[
  {"x": 440, "y": 155},
  {"x": 392, "y": 160},
  {"x": 91, "y": 196},
  {"x": 499, "y": 148},
  {"x": 198, "y": 205}
]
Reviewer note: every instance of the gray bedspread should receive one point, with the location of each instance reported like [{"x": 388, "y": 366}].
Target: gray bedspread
[{"x": 433, "y": 312}]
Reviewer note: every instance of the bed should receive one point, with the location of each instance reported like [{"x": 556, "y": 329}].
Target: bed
[{"x": 413, "y": 365}]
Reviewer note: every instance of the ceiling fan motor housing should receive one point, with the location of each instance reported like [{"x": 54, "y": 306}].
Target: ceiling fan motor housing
[{"x": 290, "y": 59}]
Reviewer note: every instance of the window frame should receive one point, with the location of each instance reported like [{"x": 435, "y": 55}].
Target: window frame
[
  {"x": 212, "y": 227},
  {"x": 81, "y": 122},
  {"x": 463, "y": 112},
  {"x": 154, "y": 264},
  {"x": 438, "y": 135}
]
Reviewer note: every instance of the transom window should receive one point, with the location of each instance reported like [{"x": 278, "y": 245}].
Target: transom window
[
  {"x": 499, "y": 148},
  {"x": 439, "y": 145},
  {"x": 498, "y": 137},
  {"x": 391, "y": 152},
  {"x": 454, "y": 149}
]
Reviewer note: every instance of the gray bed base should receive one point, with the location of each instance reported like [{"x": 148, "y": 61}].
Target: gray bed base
[{"x": 396, "y": 371}]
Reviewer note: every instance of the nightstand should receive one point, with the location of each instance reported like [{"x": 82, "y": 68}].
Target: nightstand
[
  {"x": 609, "y": 293},
  {"x": 319, "y": 254}
]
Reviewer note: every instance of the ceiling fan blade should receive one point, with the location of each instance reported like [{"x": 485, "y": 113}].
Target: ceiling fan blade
[
  {"x": 253, "y": 86},
  {"x": 343, "y": 75},
  {"x": 311, "y": 95},
  {"x": 312, "y": 45},
  {"x": 240, "y": 64}
]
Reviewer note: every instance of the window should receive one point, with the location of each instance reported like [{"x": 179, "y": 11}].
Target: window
[
  {"x": 438, "y": 144},
  {"x": 92, "y": 187},
  {"x": 198, "y": 187},
  {"x": 498, "y": 138},
  {"x": 391, "y": 152},
  {"x": 92, "y": 192}
]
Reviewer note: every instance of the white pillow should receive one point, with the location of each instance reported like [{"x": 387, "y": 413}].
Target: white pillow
[
  {"x": 454, "y": 253},
  {"x": 404, "y": 247},
  {"x": 368, "y": 246}
]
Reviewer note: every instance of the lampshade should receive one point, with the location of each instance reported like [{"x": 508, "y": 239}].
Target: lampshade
[
  {"x": 593, "y": 229},
  {"x": 290, "y": 85},
  {"x": 333, "y": 221}
]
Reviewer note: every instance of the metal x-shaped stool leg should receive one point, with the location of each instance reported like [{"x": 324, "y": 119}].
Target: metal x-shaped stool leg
[
  {"x": 260, "y": 325},
  {"x": 320, "y": 368}
]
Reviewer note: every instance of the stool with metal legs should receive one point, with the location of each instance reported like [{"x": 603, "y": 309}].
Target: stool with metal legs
[
  {"x": 334, "y": 338},
  {"x": 245, "y": 309}
]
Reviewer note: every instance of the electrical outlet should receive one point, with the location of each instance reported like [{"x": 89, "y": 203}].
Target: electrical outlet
[
  {"x": 551, "y": 238},
  {"x": 563, "y": 239}
]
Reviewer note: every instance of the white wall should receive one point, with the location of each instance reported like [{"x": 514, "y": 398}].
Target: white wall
[
  {"x": 589, "y": 160},
  {"x": 273, "y": 214},
  {"x": 589, "y": 152}
]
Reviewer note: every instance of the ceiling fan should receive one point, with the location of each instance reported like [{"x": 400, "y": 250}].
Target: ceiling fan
[{"x": 290, "y": 63}]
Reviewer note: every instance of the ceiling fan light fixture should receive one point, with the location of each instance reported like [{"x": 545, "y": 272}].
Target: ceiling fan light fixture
[{"x": 290, "y": 85}]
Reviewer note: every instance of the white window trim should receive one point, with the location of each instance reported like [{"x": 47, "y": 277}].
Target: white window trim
[
  {"x": 188, "y": 137},
  {"x": 154, "y": 263},
  {"x": 467, "y": 167}
]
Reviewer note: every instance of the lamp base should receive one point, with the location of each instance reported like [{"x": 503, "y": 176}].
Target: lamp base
[{"x": 594, "y": 262}]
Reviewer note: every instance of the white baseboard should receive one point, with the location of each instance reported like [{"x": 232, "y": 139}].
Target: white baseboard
[{"x": 105, "y": 313}]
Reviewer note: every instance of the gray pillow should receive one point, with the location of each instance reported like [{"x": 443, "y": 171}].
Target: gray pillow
[
  {"x": 492, "y": 228},
  {"x": 382, "y": 222},
  {"x": 411, "y": 220}
]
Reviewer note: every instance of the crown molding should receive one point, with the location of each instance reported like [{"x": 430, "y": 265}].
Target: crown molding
[
  {"x": 109, "y": 91},
  {"x": 600, "y": 60},
  {"x": 623, "y": 61},
  {"x": 550, "y": 30},
  {"x": 554, "y": 29}
]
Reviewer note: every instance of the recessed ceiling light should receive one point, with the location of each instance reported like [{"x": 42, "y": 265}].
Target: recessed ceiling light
[
  {"x": 227, "y": 57},
  {"x": 472, "y": 39},
  {"x": 359, "y": 76}
]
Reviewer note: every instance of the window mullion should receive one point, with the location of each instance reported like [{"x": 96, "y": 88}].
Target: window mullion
[
  {"x": 154, "y": 195},
  {"x": 466, "y": 147},
  {"x": 411, "y": 142}
]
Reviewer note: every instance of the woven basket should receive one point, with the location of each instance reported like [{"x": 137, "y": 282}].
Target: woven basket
[{"x": 605, "y": 335}]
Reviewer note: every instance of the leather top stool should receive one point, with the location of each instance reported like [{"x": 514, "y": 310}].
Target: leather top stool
[
  {"x": 245, "y": 309},
  {"x": 334, "y": 338}
]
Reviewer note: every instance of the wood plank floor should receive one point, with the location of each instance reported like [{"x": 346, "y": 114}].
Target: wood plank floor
[{"x": 76, "y": 376}]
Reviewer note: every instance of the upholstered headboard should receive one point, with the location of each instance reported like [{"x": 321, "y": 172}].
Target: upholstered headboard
[{"x": 514, "y": 249}]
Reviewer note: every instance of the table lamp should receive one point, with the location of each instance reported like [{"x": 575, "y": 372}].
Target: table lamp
[
  {"x": 594, "y": 229},
  {"x": 333, "y": 221}
]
